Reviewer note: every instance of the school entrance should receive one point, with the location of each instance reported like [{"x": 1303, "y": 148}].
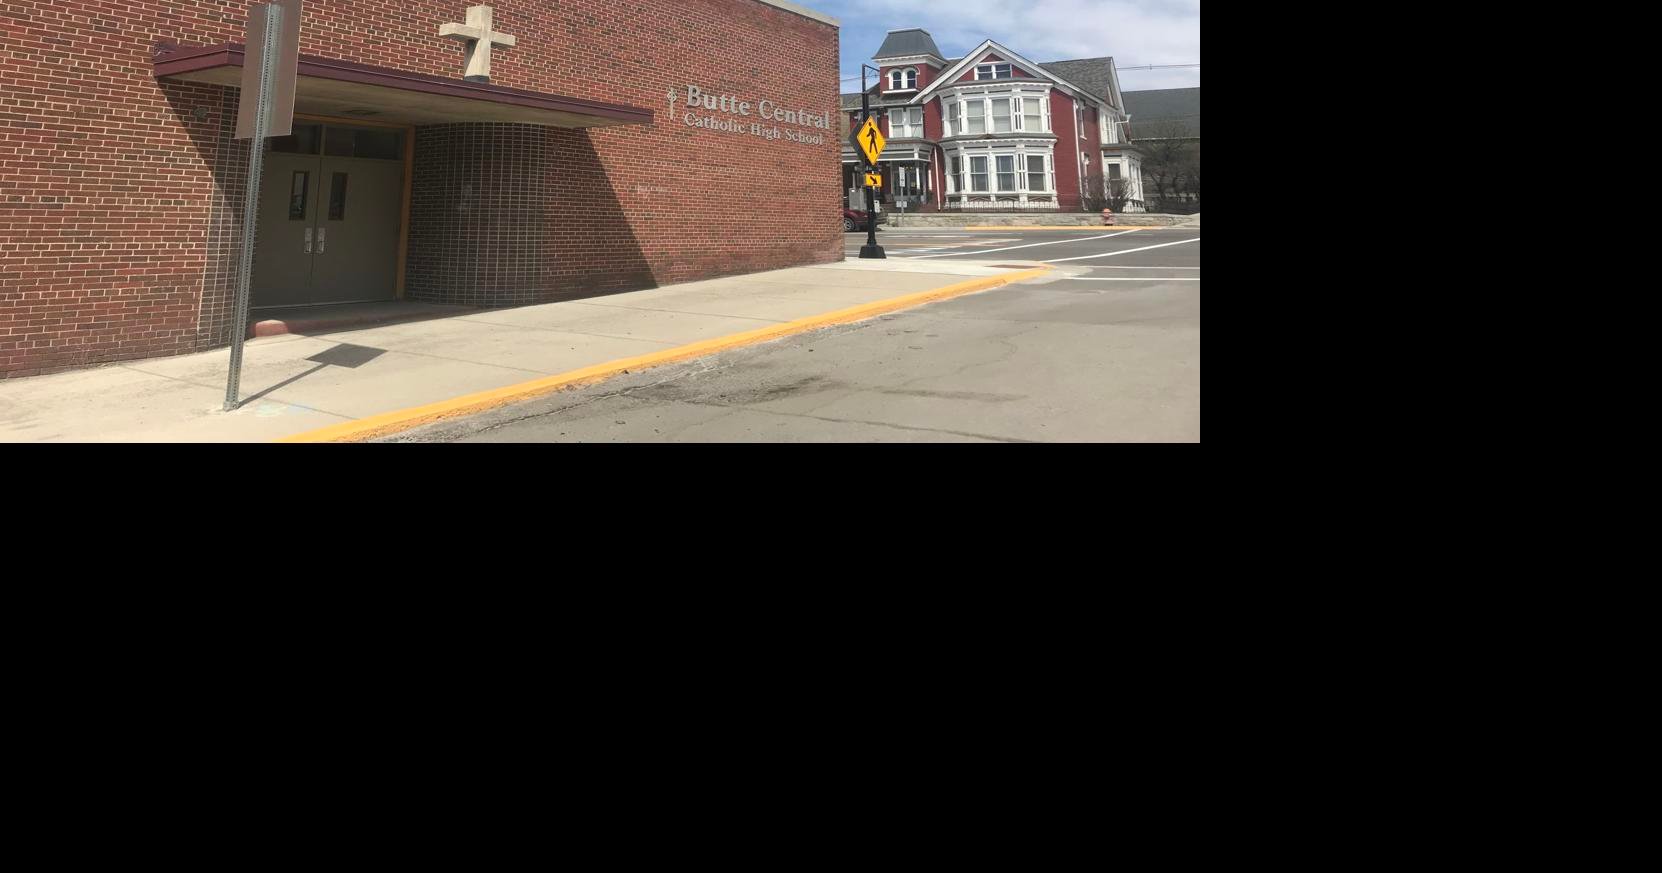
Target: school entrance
[{"x": 331, "y": 216}]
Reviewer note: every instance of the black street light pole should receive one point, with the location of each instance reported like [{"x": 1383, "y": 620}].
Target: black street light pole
[{"x": 871, "y": 248}]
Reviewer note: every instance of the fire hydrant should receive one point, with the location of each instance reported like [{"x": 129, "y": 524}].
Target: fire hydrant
[{"x": 1107, "y": 218}]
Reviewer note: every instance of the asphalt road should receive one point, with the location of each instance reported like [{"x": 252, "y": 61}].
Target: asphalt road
[{"x": 1105, "y": 349}]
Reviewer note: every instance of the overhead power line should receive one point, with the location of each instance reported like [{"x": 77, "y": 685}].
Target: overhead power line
[
  {"x": 1140, "y": 67},
  {"x": 1132, "y": 68}
]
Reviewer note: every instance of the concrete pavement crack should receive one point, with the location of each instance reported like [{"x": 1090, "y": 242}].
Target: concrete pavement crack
[
  {"x": 979, "y": 436},
  {"x": 448, "y": 434}
]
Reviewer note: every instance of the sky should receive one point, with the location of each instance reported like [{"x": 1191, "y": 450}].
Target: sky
[{"x": 1133, "y": 32}]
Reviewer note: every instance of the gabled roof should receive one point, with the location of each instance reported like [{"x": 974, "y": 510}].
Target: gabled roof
[
  {"x": 852, "y": 101},
  {"x": 956, "y": 70},
  {"x": 1095, "y": 75},
  {"x": 1173, "y": 106},
  {"x": 902, "y": 43}
]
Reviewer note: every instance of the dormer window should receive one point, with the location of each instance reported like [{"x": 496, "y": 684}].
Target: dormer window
[
  {"x": 985, "y": 72},
  {"x": 903, "y": 80}
]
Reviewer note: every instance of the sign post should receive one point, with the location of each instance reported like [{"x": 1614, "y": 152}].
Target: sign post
[
  {"x": 269, "y": 73},
  {"x": 869, "y": 142}
]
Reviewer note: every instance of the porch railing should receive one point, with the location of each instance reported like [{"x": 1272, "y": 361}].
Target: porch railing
[{"x": 1002, "y": 205}]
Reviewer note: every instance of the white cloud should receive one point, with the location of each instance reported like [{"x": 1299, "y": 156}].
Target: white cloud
[{"x": 1132, "y": 31}]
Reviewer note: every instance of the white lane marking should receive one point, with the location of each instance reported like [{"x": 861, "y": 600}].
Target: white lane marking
[
  {"x": 1036, "y": 245},
  {"x": 1120, "y": 267},
  {"x": 1126, "y": 252},
  {"x": 1137, "y": 279}
]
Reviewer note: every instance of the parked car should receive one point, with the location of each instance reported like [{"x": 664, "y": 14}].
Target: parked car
[{"x": 855, "y": 220}]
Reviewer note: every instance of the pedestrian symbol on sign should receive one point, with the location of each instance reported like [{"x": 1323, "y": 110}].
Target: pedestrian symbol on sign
[{"x": 870, "y": 141}]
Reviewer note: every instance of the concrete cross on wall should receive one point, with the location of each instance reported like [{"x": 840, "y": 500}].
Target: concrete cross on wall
[{"x": 480, "y": 37}]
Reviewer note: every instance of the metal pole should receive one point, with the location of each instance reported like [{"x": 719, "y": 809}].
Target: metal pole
[
  {"x": 871, "y": 250},
  {"x": 251, "y": 205}
]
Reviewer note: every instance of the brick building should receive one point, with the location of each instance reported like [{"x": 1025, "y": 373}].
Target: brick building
[
  {"x": 596, "y": 158},
  {"x": 993, "y": 130}
]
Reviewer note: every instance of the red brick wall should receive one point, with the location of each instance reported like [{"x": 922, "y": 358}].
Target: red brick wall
[
  {"x": 1092, "y": 145},
  {"x": 927, "y": 75},
  {"x": 119, "y": 194},
  {"x": 1068, "y": 147}
]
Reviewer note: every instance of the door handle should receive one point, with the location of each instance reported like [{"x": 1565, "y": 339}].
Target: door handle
[
  {"x": 308, "y": 240},
  {"x": 322, "y": 239}
]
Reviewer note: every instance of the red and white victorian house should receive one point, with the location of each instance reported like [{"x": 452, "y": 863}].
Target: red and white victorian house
[{"x": 994, "y": 131}]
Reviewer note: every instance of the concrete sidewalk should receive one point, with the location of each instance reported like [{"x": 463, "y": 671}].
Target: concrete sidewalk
[{"x": 294, "y": 384}]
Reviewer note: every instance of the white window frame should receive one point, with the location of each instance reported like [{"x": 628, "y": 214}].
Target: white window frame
[
  {"x": 906, "y": 129},
  {"x": 992, "y": 71},
  {"x": 1021, "y": 117},
  {"x": 1014, "y": 174},
  {"x": 1047, "y": 173},
  {"x": 955, "y": 112},
  {"x": 992, "y": 114},
  {"x": 961, "y": 185},
  {"x": 986, "y": 173},
  {"x": 903, "y": 79}
]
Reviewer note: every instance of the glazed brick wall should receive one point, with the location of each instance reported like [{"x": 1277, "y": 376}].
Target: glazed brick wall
[{"x": 120, "y": 195}]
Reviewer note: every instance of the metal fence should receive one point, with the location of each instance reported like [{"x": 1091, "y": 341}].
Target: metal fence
[{"x": 1002, "y": 206}]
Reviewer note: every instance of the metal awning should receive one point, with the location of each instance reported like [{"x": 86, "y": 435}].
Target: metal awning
[{"x": 342, "y": 88}]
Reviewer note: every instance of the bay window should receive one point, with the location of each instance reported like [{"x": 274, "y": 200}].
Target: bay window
[
  {"x": 1038, "y": 175},
  {"x": 979, "y": 114},
  {"x": 978, "y": 174},
  {"x": 1001, "y": 115},
  {"x": 1006, "y": 172},
  {"x": 1032, "y": 120}
]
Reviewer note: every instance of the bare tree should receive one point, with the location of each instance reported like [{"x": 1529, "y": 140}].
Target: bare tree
[
  {"x": 1093, "y": 201},
  {"x": 1119, "y": 195},
  {"x": 1171, "y": 164}
]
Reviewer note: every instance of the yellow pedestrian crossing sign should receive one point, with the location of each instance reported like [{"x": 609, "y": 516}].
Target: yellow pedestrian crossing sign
[
  {"x": 870, "y": 141},
  {"x": 874, "y": 180}
]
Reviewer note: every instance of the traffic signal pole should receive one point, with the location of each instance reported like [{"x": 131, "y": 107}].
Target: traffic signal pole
[{"x": 871, "y": 250}]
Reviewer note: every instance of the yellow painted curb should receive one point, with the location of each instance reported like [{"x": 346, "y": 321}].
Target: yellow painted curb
[{"x": 390, "y": 423}]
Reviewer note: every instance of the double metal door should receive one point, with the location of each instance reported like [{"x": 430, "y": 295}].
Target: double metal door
[{"x": 328, "y": 230}]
